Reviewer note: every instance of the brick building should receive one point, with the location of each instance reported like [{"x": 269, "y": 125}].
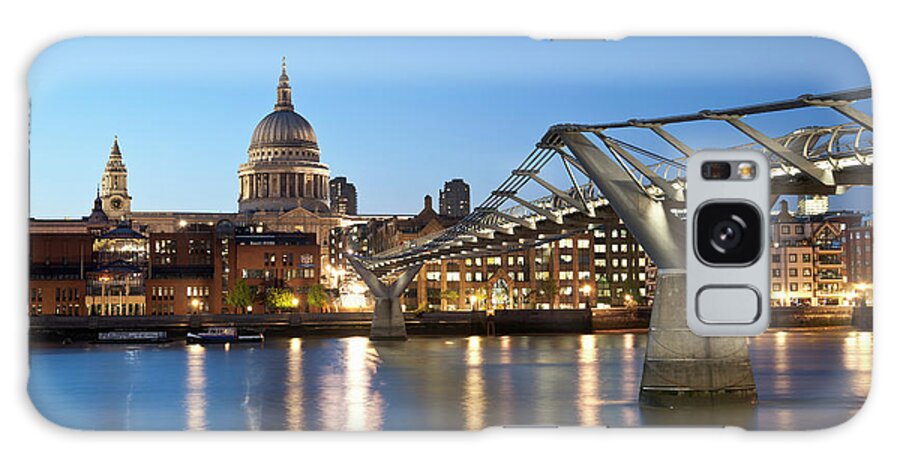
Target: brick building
[{"x": 119, "y": 271}]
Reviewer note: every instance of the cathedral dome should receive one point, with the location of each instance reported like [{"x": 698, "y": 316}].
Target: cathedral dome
[
  {"x": 283, "y": 170},
  {"x": 283, "y": 128}
]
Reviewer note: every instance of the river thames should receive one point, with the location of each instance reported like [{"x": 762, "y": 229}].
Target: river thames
[{"x": 806, "y": 379}]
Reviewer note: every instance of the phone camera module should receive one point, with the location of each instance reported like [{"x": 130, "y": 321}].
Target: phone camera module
[{"x": 728, "y": 233}]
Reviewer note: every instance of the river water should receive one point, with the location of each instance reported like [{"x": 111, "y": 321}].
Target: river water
[{"x": 806, "y": 379}]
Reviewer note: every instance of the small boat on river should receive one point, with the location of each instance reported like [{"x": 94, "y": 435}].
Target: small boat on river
[
  {"x": 132, "y": 337},
  {"x": 223, "y": 335}
]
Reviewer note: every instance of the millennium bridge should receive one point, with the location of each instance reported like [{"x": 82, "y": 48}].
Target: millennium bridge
[{"x": 586, "y": 171}]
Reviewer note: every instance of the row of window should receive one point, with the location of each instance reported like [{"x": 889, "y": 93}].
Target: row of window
[
  {"x": 193, "y": 291},
  {"x": 792, "y": 272},
  {"x": 62, "y": 294},
  {"x": 792, "y": 287},
  {"x": 162, "y": 293},
  {"x": 61, "y": 309},
  {"x": 786, "y": 229},
  {"x": 199, "y": 251},
  {"x": 792, "y": 258},
  {"x": 116, "y": 309},
  {"x": 620, "y": 232},
  {"x": 287, "y": 259},
  {"x": 285, "y": 274},
  {"x": 162, "y": 309}
]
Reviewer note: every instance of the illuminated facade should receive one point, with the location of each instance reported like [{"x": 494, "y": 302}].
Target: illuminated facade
[
  {"x": 122, "y": 272},
  {"x": 602, "y": 266},
  {"x": 808, "y": 262}
]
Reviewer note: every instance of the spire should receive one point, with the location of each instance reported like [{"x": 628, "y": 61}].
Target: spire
[
  {"x": 284, "y": 102},
  {"x": 115, "y": 161},
  {"x": 115, "y": 147},
  {"x": 97, "y": 214},
  {"x": 98, "y": 202}
]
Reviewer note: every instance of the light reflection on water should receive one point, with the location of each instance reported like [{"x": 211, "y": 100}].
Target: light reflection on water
[
  {"x": 293, "y": 383},
  {"x": 474, "y": 402},
  {"x": 195, "y": 390},
  {"x": 588, "y": 402},
  {"x": 806, "y": 379}
]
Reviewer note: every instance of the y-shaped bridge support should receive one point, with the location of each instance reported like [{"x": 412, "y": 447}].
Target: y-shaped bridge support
[
  {"x": 680, "y": 368},
  {"x": 387, "y": 320}
]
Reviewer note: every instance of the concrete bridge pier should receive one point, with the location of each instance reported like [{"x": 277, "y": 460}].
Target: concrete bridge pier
[
  {"x": 683, "y": 369},
  {"x": 387, "y": 320},
  {"x": 680, "y": 368}
]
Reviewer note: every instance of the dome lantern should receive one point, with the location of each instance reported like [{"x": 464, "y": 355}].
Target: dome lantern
[
  {"x": 283, "y": 128},
  {"x": 284, "y": 102}
]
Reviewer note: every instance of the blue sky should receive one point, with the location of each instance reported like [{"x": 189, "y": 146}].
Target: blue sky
[{"x": 397, "y": 116}]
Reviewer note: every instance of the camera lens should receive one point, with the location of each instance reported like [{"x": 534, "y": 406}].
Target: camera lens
[{"x": 728, "y": 233}]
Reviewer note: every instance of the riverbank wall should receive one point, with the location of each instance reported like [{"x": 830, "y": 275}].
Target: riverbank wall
[{"x": 439, "y": 323}]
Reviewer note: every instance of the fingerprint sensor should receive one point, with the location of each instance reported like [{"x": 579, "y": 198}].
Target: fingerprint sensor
[{"x": 728, "y": 304}]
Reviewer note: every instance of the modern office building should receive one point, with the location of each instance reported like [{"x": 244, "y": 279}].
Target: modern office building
[
  {"x": 343, "y": 197},
  {"x": 454, "y": 199}
]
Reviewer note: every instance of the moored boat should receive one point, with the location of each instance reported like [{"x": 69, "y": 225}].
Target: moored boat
[
  {"x": 222, "y": 335},
  {"x": 159, "y": 336}
]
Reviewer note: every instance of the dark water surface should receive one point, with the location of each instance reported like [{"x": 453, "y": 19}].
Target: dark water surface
[{"x": 806, "y": 379}]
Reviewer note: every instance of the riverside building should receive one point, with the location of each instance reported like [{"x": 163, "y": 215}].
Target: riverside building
[
  {"x": 810, "y": 262},
  {"x": 183, "y": 262}
]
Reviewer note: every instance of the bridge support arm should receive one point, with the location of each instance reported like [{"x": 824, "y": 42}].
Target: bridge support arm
[
  {"x": 654, "y": 178},
  {"x": 670, "y": 139},
  {"x": 387, "y": 320},
  {"x": 660, "y": 233}
]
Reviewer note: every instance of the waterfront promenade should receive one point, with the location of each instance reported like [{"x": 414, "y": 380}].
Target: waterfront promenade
[{"x": 460, "y": 323}]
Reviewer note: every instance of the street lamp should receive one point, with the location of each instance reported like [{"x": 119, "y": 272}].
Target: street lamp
[
  {"x": 586, "y": 291},
  {"x": 249, "y": 309}
]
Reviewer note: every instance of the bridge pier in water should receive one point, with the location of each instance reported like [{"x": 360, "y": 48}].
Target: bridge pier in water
[
  {"x": 387, "y": 319},
  {"x": 680, "y": 368},
  {"x": 683, "y": 369}
]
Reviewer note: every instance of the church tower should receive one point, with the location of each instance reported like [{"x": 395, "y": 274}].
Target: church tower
[{"x": 114, "y": 186}]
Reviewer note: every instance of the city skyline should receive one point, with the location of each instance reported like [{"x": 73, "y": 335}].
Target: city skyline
[
  {"x": 192, "y": 111},
  {"x": 279, "y": 300}
]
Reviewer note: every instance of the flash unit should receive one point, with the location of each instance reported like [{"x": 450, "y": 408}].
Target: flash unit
[{"x": 746, "y": 170}]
